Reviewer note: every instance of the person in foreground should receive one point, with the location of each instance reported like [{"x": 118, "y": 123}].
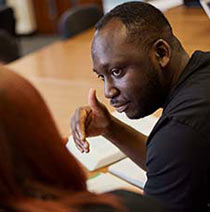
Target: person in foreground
[
  {"x": 144, "y": 67},
  {"x": 37, "y": 173}
]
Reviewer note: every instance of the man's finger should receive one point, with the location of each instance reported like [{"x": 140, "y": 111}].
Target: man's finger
[
  {"x": 81, "y": 128},
  {"x": 78, "y": 143},
  {"x": 79, "y": 148},
  {"x": 93, "y": 101},
  {"x": 82, "y": 143},
  {"x": 78, "y": 123},
  {"x": 86, "y": 147},
  {"x": 82, "y": 146}
]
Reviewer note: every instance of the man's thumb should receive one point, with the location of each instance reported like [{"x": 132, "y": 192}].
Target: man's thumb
[{"x": 93, "y": 101}]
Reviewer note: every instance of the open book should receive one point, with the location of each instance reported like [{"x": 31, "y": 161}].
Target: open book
[
  {"x": 102, "y": 152},
  {"x": 106, "y": 182},
  {"x": 129, "y": 171}
]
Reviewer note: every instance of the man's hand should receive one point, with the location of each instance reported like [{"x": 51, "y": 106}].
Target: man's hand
[{"x": 89, "y": 121}]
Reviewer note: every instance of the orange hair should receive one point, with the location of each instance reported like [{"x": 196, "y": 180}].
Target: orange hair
[{"x": 37, "y": 171}]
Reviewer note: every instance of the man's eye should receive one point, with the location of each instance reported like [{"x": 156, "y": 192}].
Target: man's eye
[
  {"x": 116, "y": 72},
  {"x": 101, "y": 77}
]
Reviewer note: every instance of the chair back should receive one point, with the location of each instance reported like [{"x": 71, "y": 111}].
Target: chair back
[
  {"x": 78, "y": 19},
  {"x": 7, "y": 19}
]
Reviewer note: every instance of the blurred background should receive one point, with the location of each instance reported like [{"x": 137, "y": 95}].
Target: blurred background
[{"x": 28, "y": 25}]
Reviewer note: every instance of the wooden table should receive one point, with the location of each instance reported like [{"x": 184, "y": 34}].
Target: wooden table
[
  {"x": 191, "y": 26},
  {"x": 62, "y": 72}
]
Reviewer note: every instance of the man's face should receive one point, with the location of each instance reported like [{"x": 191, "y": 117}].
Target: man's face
[{"x": 130, "y": 78}]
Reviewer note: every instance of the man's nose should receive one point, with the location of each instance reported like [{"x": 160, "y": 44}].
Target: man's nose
[{"x": 110, "y": 91}]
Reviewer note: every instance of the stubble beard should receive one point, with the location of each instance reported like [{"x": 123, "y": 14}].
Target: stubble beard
[{"x": 152, "y": 98}]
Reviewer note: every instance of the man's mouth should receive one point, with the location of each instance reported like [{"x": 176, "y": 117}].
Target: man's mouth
[{"x": 121, "y": 107}]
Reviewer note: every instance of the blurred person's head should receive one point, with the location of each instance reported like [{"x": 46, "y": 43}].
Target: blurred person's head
[
  {"x": 9, "y": 48},
  {"x": 37, "y": 171}
]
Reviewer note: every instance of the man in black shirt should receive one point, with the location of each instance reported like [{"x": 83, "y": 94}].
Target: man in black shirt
[
  {"x": 178, "y": 149},
  {"x": 144, "y": 67}
]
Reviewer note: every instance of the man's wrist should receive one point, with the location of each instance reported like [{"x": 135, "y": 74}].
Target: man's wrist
[{"x": 108, "y": 132}]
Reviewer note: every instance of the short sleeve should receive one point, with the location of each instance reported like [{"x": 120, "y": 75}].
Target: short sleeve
[{"x": 177, "y": 168}]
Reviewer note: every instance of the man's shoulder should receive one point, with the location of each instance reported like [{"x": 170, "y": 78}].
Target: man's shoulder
[{"x": 190, "y": 102}]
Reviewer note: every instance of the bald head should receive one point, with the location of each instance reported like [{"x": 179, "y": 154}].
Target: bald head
[{"x": 144, "y": 23}]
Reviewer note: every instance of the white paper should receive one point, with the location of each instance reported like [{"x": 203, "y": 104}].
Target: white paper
[
  {"x": 206, "y": 6},
  {"x": 164, "y": 5},
  {"x": 105, "y": 182},
  {"x": 102, "y": 152},
  {"x": 110, "y": 4},
  {"x": 143, "y": 125},
  {"x": 129, "y": 171}
]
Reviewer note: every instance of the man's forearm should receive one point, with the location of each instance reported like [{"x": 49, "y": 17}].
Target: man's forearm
[{"x": 128, "y": 140}]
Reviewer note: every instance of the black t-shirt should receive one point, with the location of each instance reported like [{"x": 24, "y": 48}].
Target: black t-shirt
[{"x": 178, "y": 148}]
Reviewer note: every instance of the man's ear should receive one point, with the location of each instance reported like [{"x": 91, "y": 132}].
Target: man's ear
[{"x": 162, "y": 52}]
